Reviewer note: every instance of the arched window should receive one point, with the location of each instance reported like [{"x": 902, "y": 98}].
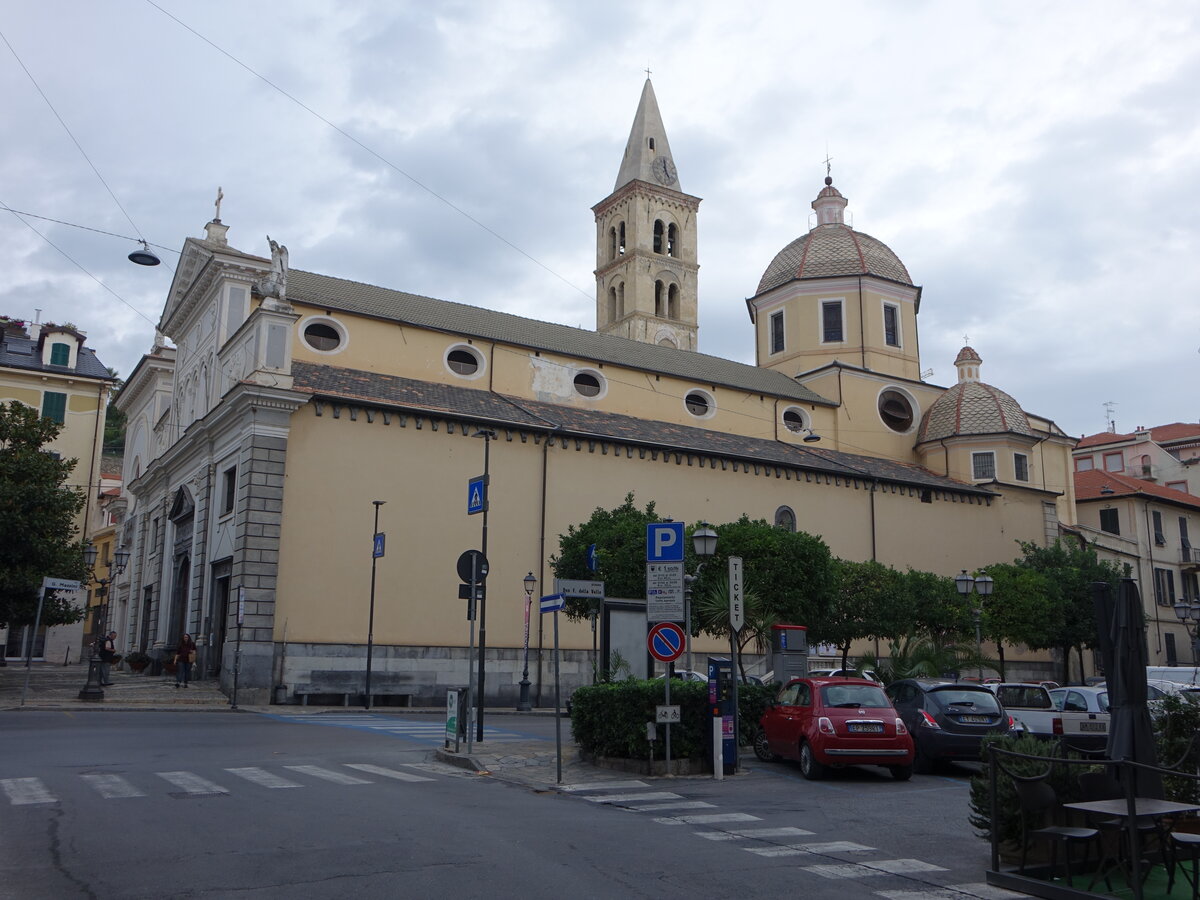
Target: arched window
[
  {"x": 785, "y": 518},
  {"x": 621, "y": 300},
  {"x": 621, "y": 238},
  {"x": 658, "y": 299},
  {"x": 673, "y": 302},
  {"x": 672, "y": 240},
  {"x": 612, "y": 304},
  {"x": 658, "y": 236},
  {"x": 612, "y": 243}
]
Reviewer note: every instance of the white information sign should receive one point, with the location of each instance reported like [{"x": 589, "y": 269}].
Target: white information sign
[
  {"x": 585, "y": 590},
  {"x": 60, "y": 584},
  {"x": 664, "y": 592},
  {"x": 737, "y": 600},
  {"x": 668, "y": 714}
]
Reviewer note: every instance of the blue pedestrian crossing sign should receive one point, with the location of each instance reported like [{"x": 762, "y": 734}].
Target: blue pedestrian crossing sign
[
  {"x": 591, "y": 558},
  {"x": 477, "y": 495},
  {"x": 377, "y": 548},
  {"x": 664, "y": 542}
]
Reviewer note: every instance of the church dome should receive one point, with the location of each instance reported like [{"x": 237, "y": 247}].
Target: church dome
[
  {"x": 972, "y": 407},
  {"x": 832, "y": 248}
]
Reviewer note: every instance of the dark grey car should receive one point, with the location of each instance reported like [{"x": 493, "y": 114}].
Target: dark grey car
[{"x": 947, "y": 720}]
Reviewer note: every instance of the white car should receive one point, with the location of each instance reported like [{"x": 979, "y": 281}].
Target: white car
[
  {"x": 1157, "y": 688},
  {"x": 1092, "y": 699}
]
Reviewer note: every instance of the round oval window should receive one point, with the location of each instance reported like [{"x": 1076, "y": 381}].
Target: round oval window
[
  {"x": 587, "y": 384},
  {"x": 697, "y": 404},
  {"x": 895, "y": 410},
  {"x": 464, "y": 362},
  {"x": 320, "y": 336},
  {"x": 793, "y": 420}
]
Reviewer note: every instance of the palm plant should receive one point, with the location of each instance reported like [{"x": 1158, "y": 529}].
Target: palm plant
[
  {"x": 710, "y": 614},
  {"x": 917, "y": 656}
]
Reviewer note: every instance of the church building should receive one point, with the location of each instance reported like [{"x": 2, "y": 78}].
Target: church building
[{"x": 292, "y": 402}]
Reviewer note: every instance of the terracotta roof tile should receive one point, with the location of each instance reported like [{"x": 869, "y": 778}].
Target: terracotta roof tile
[{"x": 1089, "y": 485}]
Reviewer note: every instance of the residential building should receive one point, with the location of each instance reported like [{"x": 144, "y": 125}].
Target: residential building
[{"x": 48, "y": 367}]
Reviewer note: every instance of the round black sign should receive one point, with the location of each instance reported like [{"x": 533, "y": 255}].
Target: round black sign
[{"x": 465, "y": 562}]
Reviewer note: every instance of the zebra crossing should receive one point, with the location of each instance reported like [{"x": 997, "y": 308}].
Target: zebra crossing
[
  {"x": 35, "y": 792},
  {"x": 833, "y": 860},
  {"x": 424, "y": 729}
]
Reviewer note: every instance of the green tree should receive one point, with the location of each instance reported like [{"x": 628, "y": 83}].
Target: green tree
[
  {"x": 620, "y": 538},
  {"x": 936, "y": 608},
  {"x": 867, "y": 602},
  {"x": 37, "y": 512},
  {"x": 1044, "y": 599},
  {"x": 710, "y": 614},
  {"x": 114, "y": 419}
]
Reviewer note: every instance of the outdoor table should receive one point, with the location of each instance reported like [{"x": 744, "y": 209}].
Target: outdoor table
[{"x": 1143, "y": 807}]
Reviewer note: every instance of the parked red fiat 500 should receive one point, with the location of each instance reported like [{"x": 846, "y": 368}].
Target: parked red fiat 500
[{"x": 831, "y": 722}]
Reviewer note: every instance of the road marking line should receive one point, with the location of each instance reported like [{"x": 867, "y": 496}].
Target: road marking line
[
  {"x": 687, "y": 804},
  {"x": 387, "y": 773},
  {"x": 708, "y": 820},
  {"x": 835, "y": 847},
  {"x": 264, "y": 778},
  {"x": 847, "y": 870},
  {"x": 26, "y": 791},
  {"x": 947, "y": 894},
  {"x": 903, "y": 866},
  {"x": 328, "y": 775},
  {"x": 191, "y": 784},
  {"x": 768, "y": 832},
  {"x": 777, "y": 851},
  {"x": 602, "y": 786},
  {"x": 625, "y": 798},
  {"x": 112, "y": 787},
  {"x": 718, "y": 836}
]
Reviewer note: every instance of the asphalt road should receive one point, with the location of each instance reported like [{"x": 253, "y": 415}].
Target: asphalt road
[{"x": 221, "y": 804}]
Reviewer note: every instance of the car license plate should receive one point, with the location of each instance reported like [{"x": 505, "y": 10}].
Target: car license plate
[
  {"x": 974, "y": 720},
  {"x": 1092, "y": 726},
  {"x": 866, "y": 728}
]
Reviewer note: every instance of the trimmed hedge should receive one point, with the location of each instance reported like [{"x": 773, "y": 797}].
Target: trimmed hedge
[{"x": 610, "y": 719}]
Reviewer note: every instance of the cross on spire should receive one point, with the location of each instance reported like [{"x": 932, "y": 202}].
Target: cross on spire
[
  {"x": 647, "y": 70},
  {"x": 966, "y": 341},
  {"x": 828, "y": 167},
  {"x": 220, "y": 197}
]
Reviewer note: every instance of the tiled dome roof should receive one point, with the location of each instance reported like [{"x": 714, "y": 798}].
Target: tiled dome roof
[
  {"x": 972, "y": 407},
  {"x": 832, "y": 248}
]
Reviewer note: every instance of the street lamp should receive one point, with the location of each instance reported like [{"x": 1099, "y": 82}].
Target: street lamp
[
  {"x": 376, "y": 552},
  {"x": 523, "y": 704},
  {"x": 704, "y": 543},
  {"x": 487, "y": 434},
  {"x": 92, "y": 689},
  {"x": 1190, "y": 613},
  {"x": 983, "y": 587}
]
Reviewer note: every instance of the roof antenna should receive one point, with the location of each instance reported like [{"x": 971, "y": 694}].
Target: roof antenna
[{"x": 1108, "y": 415}]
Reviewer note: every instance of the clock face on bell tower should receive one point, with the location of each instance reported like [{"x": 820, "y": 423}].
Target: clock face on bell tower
[{"x": 664, "y": 170}]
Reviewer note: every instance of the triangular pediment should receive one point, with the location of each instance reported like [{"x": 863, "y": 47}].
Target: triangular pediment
[{"x": 183, "y": 506}]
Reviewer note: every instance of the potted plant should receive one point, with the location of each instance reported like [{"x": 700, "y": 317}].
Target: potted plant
[{"x": 137, "y": 661}]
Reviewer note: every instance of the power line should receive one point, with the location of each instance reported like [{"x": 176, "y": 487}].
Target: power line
[
  {"x": 124, "y": 237},
  {"x": 78, "y": 146},
  {"x": 387, "y": 162},
  {"x": 78, "y": 265}
]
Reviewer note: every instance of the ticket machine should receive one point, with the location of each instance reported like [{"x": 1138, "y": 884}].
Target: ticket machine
[
  {"x": 789, "y": 652},
  {"x": 722, "y": 703}
]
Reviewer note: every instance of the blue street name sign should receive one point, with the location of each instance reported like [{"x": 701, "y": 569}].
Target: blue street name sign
[
  {"x": 377, "y": 549},
  {"x": 664, "y": 542},
  {"x": 552, "y": 603},
  {"x": 477, "y": 495}
]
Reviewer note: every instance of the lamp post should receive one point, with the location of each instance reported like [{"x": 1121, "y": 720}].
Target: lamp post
[
  {"x": 523, "y": 704},
  {"x": 704, "y": 543},
  {"x": 1190, "y": 613},
  {"x": 92, "y": 689},
  {"x": 487, "y": 434},
  {"x": 376, "y": 552},
  {"x": 983, "y": 587}
]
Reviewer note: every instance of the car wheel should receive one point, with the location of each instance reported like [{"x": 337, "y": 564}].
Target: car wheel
[
  {"x": 901, "y": 773},
  {"x": 809, "y": 767},
  {"x": 761, "y": 748}
]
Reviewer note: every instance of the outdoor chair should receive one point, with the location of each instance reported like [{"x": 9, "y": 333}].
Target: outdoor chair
[
  {"x": 1039, "y": 804},
  {"x": 1185, "y": 846},
  {"x": 1103, "y": 786}
]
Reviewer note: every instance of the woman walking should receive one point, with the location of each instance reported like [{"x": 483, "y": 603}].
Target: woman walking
[{"x": 185, "y": 655}]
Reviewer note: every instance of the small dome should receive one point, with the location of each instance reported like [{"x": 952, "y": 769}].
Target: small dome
[
  {"x": 972, "y": 407},
  {"x": 967, "y": 355},
  {"x": 832, "y": 248}
]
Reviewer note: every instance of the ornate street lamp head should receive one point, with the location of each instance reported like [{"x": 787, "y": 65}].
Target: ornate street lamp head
[
  {"x": 704, "y": 541},
  {"x": 530, "y": 584}
]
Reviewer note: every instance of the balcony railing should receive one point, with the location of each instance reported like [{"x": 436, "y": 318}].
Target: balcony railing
[{"x": 1190, "y": 555}]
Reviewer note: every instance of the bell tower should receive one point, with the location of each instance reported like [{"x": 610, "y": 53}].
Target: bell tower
[{"x": 646, "y": 267}]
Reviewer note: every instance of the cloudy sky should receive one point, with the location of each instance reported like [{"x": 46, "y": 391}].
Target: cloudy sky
[{"x": 1035, "y": 165}]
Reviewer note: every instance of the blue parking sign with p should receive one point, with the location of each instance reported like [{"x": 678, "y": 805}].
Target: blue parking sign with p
[{"x": 664, "y": 542}]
